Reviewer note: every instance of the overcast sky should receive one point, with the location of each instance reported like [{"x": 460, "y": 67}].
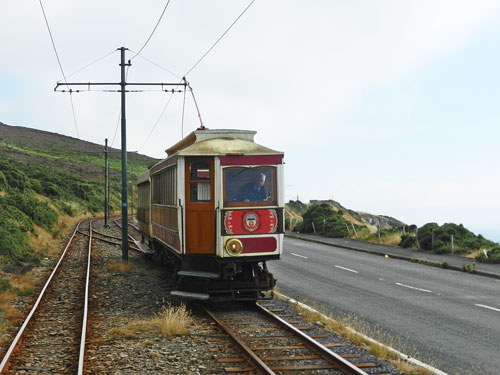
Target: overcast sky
[{"x": 388, "y": 107}]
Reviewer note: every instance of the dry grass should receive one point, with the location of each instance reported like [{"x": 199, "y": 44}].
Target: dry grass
[
  {"x": 173, "y": 320},
  {"x": 473, "y": 254},
  {"x": 23, "y": 282},
  {"x": 129, "y": 330},
  {"x": 393, "y": 239},
  {"x": 119, "y": 266},
  {"x": 358, "y": 332},
  {"x": 10, "y": 313},
  {"x": 170, "y": 321}
]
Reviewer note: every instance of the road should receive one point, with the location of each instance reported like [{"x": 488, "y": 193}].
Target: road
[{"x": 446, "y": 318}]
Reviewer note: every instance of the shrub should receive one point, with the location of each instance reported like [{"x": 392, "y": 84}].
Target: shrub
[
  {"x": 463, "y": 239},
  {"x": 17, "y": 216},
  {"x": 4, "y": 285},
  {"x": 36, "y": 185},
  {"x": 3, "y": 182},
  {"x": 39, "y": 212},
  {"x": 408, "y": 240},
  {"x": 325, "y": 220},
  {"x": 51, "y": 190},
  {"x": 13, "y": 243},
  {"x": 493, "y": 255}
]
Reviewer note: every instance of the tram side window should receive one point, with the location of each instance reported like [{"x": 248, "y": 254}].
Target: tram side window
[
  {"x": 165, "y": 187},
  {"x": 200, "y": 186},
  {"x": 249, "y": 185}
]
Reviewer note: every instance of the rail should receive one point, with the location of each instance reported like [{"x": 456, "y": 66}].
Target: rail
[
  {"x": 32, "y": 312},
  {"x": 326, "y": 358}
]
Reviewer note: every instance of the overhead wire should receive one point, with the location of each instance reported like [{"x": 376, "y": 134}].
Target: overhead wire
[
  {"x": 60, "y": 67},
  {"x": 151, "y": 35},
  {"x": 189, "y": 71},
  {"x": 157, "y": 122},
  {"x": 90, "y": 64},
  {"x": 156, "y": 64},
  {"x": 218, "y": 40}
]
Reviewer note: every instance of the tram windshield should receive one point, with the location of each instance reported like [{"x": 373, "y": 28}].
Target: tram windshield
[{"x": 245, "y": 186}]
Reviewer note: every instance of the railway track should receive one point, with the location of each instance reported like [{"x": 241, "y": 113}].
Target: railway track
[
  {"x": 269, "y": 344},
  {"x": 52, "y": 337}
]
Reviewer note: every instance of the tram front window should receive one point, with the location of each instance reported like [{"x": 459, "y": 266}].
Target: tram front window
[{"x": 250, "y": 186}]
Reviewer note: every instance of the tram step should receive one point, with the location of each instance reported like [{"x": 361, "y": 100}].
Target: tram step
[
  {"x": 192, "y": 295},
  {"x": 143, "y": 247},
  {"x": 201, "y": 274}
]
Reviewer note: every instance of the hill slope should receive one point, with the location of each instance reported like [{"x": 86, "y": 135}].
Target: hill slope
[{"x": 46, "y": 177}]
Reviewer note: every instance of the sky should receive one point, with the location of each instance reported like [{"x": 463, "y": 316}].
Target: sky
[{"x": 388, "y": 107}]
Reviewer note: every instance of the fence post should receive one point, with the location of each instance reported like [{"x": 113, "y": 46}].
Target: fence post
[{"x": 354, "y": 230}]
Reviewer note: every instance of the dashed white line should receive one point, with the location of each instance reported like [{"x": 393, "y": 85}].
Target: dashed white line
[
  {"x": 347, "y": 269},
  {"x": 488, "y": 307},
  {"x": 412, "y": 287},
  {"x": 298, "y": 255}
]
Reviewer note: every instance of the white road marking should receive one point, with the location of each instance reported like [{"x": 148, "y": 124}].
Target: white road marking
[
  {"x": 347, "y": 269},
  {"x": 297, "y": 255},
  {"x": 412, "y": 287},
  {"x": 488, "y": 307}
]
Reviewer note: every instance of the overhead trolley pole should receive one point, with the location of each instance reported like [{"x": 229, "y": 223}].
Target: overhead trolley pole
[{"x": 123, "y": 84}]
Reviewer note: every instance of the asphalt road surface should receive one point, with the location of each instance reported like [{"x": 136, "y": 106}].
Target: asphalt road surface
[{"x": 446, "y": 318}]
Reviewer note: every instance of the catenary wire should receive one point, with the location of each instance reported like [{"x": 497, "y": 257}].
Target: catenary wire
[
  {"x": 157, "y": 121},
  {"x": 60, "y": 66},
  {"x": 147, "y": 41},
  {"x": 156, "y": 64},
  {"x": 218, "y": 40},
  {"x": 90, "y": 64},
  {"x": 189, "y": 71}
]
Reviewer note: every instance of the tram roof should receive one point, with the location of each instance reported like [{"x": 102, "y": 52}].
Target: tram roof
[{"x": 220, "y": 142}]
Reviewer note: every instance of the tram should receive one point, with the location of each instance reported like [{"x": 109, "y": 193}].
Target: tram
[{"x": 213, "y": 212}]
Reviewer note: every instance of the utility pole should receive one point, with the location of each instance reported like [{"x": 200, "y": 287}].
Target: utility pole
[
  {"x": 123, "y": 84},
  {"x": 131, "y": 190},
  {"x": 106, "y": 185}
]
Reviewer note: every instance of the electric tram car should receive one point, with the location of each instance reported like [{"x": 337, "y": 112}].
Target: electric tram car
[{"x": 214, "y": 209}]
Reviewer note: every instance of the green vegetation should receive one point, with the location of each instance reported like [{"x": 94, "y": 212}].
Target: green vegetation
[
  {"x": 322, "y": 219},
  {"x": 464, "y": 241},
  {"x": 493, "y": 255},
  {"x": 329, "y": 219},
  {"x": 44, "y": 176},
  {"x": 408, "y": 240}
]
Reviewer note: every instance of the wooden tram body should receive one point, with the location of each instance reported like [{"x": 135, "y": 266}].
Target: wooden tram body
[{"x": 214, "y": 210}]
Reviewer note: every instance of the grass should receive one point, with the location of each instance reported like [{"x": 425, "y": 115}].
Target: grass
[
  {"x": 173, "y": 320},
  {"x": 362, "y": 334},
  {"x": 170, "y": 321},
  {"x": 9, "y": 315},
  {"x": 368, "y": 235},
  {"x": 119, "y": 266}
]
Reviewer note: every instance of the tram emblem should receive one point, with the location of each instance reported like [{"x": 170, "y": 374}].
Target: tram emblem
[{"x": 251, "y": 221}]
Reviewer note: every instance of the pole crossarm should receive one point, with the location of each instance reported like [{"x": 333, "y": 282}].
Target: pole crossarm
[
  {"x": 88, "y": 84},
  {"x": 123, "y": 83}
]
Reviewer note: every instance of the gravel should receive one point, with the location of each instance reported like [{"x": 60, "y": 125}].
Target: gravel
[{"x": 119, "y": 298}]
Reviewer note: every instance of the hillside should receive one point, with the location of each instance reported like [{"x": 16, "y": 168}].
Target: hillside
[
  {"x": 360, "y": 218},
  {"x": 330, "y": 219},
  {"x": 46, "y": 179}
]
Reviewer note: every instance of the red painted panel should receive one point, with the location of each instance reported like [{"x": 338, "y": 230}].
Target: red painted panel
[
  {"x": 166, "y": 236},
  {"x": 251, "y": 160},
  {"x": 258, "y": 244},
  {"x": 251, "y": 222}
]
